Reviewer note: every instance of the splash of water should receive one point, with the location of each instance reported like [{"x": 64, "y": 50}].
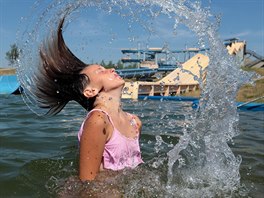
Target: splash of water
[{"x": 202, "y": 163}]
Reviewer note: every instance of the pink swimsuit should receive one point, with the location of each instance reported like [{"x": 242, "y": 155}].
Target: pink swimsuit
[{"x": 120, "y": 151}]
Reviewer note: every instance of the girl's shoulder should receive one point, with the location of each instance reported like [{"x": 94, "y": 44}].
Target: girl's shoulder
[
  {"x": 97, "y": 121},
  {"x": 96, "y": 113},
  {"x": 97, "y": 117}
]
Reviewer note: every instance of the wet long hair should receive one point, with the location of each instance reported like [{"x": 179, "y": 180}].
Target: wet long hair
[{"x": 58, "y": 80}]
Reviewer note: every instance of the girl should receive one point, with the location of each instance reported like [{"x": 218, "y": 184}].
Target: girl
[{"x": 109, "y": 137}]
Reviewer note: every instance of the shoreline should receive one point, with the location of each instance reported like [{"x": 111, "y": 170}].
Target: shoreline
[
  {"x": 246, "y": 93},
  {"x": 7, "y": 71}
]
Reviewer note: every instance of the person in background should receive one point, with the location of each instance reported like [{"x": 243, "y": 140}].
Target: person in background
[{"x": 108, "y": 136}]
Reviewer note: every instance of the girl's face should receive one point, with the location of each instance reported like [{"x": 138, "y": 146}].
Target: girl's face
[{"x": 102, "y": 78}]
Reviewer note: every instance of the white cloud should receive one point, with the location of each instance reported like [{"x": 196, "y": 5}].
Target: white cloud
[
  {"x": 241, "y": 34},
  {"x": 244, "y": 34}
]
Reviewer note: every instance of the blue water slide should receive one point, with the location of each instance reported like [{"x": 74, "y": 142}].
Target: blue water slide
[
  {"x": 9, "y": 84},
  {"x": 166, "y": 98},
  {"x": 247, "y": 106}
]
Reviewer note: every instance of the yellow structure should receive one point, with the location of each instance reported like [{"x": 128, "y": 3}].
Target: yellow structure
[
  {"x": 236, "y": 47},
  {"x": 180, "y": 80}
]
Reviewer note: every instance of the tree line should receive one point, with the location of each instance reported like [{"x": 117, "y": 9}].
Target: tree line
[
  {"x": 118, "y": 65},
  {"x": 13, "y": 54}
]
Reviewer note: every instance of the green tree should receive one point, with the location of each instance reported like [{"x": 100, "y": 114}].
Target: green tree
[
  {"x": 13, "y": 54},
  {"x": 110, "y": 65},
  {"x": 120, "y": 65},
  {"x": 103, "y": 63}
]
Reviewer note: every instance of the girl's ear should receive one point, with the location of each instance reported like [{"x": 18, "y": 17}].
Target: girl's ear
[{"x": 90, "y": 92}]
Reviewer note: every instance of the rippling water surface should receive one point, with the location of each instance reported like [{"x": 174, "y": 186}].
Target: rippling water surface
[{"x": 37, "y": 153}]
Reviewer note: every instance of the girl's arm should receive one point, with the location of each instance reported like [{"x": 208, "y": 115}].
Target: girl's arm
[{"x": 92, "y": 145}]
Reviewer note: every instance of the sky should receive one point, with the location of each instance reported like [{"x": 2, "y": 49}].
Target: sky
[{"x": 96, "y": 35}]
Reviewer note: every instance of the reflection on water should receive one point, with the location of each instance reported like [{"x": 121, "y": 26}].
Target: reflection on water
[{"x": 40, "y": 155}]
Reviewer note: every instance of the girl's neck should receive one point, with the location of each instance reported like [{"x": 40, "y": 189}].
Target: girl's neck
[{"x": 110, "y": 102}]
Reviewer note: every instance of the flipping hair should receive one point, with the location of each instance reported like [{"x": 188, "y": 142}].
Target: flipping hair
[{"x": 59, "y": 80}]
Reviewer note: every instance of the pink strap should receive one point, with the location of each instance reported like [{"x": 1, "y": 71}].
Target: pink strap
[
  {"x": 81, "y": 129},
  {"x": 104, "y": 113}
]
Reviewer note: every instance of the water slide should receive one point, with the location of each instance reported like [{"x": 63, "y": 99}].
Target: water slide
[
  {"x": 252, "y": 53},
  {"x": 239, "y": 49},
  {"x": 183, "y": 77},
  {"x": 235, "y": 48},
  {"x": 257, "y": 61},
  {"x": 9, "y": 84},
  {"x": 189, "y": 73}
]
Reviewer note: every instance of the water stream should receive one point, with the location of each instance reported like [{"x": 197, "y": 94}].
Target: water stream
[{"x": 201, "y": 164}]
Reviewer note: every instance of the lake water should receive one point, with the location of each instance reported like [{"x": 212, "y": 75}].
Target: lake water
[{"x": 37, "y": 152}]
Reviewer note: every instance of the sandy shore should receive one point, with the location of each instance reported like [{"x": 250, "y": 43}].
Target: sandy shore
[{"x": 7, "y": 71}]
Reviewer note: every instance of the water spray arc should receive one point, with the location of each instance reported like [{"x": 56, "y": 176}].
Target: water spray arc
[{"x": 202, "y": 163}]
